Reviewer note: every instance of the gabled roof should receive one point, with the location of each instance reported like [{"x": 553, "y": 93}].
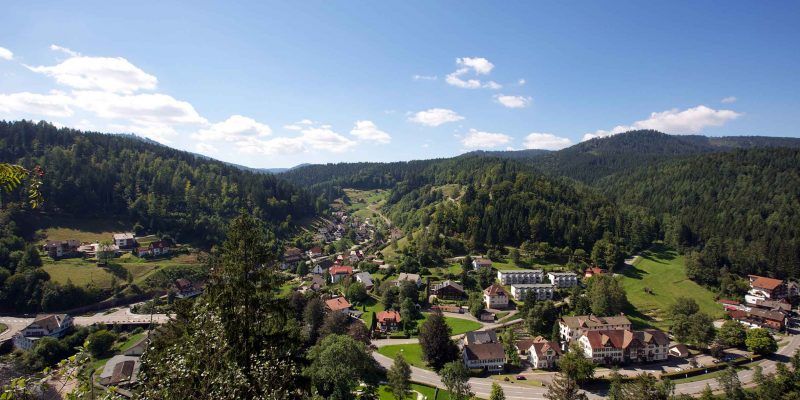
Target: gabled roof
[
  {"x": 340, "y": 269},
  {"x": 49, "y": 322},
  {"x": 388, "y": 316},
  {"x": 542, "y": 347},
  {"x": 123, "y": 236},
  {"x": 482, "y": 261},
  {"x": 495, "y": 290},
  {"x": 408, "y": 277},
  {"x": 486, "y": 351},
  {"x": 449, "y": 283},
  {"x": 480, "y": 337},
  {"x": 763, "y": 282},
  {"x": 337, "y": 304},
  {"x": 365, "y": 278},
  {"x": 592, "y": 321}
]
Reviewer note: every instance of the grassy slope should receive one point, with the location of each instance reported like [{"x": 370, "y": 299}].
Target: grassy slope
[
  {"x": 663, "y": 271},
  {"x": 83, "y": 272},
  {"x": 84, "y": 230}
]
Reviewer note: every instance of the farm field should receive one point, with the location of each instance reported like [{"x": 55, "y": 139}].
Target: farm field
[
  {"x": 83, "y": 230},
  {"x": 365, "y": 203},
  {"x": 662, "y": 271}
]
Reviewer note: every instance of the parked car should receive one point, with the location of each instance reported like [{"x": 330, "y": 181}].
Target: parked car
[{"x": 521, "y": 377}]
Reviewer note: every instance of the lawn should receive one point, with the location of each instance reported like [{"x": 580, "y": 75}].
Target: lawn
[
  {"x": 411, "y": 352},
  {"x": 372, "y": 304},
  {"x": 133, "y": 339},
  {"x": 662, "y": 270},
  {"x": 364, "y": 203},
  {"x": 457, "y": 325},
  {"x": 3, "y": 328},
  {"x": 81, "y": 229},
  {"x": 84, "y": 272},
  {"x": 384, "y": 392},
  {"x": 389, "y": 252}
]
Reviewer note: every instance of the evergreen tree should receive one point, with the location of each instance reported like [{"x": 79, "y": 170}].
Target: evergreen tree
[
  {"x": 564, "y": 388},
  {"x": 434, "y": 338},
  {"x": 399, "y": 376},
  {"x": 455, "y": 378},
  {"x": 497, "y": 393}
]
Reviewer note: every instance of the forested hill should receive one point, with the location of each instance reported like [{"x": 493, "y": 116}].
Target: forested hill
[
  {"x": 163, "y": 189},
  {"x": 593, "y": 159},
  {"x": 741, "y": 207}
]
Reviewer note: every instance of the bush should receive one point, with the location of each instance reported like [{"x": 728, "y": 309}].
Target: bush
[{"x": 99, "y": 343}]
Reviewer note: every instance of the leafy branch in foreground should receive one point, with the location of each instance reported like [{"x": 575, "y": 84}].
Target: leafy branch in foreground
[{"x": 12, "y": 176}]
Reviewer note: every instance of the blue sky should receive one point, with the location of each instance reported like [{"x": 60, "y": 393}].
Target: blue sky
[{"x": 275, "y": 84}]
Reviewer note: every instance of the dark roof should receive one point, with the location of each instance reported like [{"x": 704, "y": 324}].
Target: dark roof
[
  {"x": 486, "y": 351},
  {"x": 123, "y": 372},
  {"x": 447, "y": 283},
  {"x": 481, "y": 337},
  {"x": 495, "y": 290}
]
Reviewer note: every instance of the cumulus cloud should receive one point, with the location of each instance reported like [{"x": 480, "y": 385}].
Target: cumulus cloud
[
  {"x": 233, "y": 128},
  {"x": 6, "y": 54},
  {"x": 146, "y": 108},
  {"x": 205, "y": 148},
  {"x": 521, "y": 82},
  {"x": 484, "y": 140},
  {"x": 513, "y": 101},
  {"x": 435, "y": 117},
  {"x": 368, "y": 131},
  {"x": 321, "y": 138},
  {"x": 475, "y": 66},
  {"x": 674, "y": 121},
  {"x": 546, "y": 141},
  {"x": 109, "y": 74},
  {"x": 54, "y": 104},
  {"x": 64, "y": 50},
  {"x": 729, "y": 100}
]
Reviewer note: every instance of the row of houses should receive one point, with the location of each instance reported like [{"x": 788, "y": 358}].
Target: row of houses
[
  {"x": 766, "y": 304},
  {"x": 610, "y": 340},
  {"x": 482, "y": 350},
  {"x": 120, "y": 241},
  {"x": 536, "y": 276}
]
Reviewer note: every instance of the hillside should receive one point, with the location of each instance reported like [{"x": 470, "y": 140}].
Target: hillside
[
  {"x": 593, "y": 159},
  {"x": 159, "y": 188},
  {"x": 741, "y": 207}
]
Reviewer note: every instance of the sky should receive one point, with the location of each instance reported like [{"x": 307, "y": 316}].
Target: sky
[{"x": 275, "y": 84}]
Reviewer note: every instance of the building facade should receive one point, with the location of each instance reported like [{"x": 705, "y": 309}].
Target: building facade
[
  {"x": 540, "y": 291},
  {"x": 524, "y": 276}
]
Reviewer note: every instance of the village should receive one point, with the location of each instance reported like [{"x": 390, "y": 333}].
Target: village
[{"x": 367, "y": 289}]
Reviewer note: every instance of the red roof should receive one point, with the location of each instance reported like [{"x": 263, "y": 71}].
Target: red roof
[
  {"x": 764, "y": 282},
  {"x": 388, "y": 316},
  {"x": 337, "y": 304},
  {"x": 340, "y": 269},
  {"x": 730, "y": 302},
  {"x": 495, "y": 290}
]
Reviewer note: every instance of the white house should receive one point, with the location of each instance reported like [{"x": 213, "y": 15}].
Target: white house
[
  {"x": 124, "y": 240},
  {"x": 495, "y": 297},
  {"x": 572, "y": 327},
  {"x": 563, "y": 279},
  {"x": 479, "y": 263},
  {"x": 365, "y": 278},
  {"x": 415, "y": 278},
  {"x": 54, "y": 325},
  {"x": 488, "y": 356},
  {"x": 544, "y": 354},
  {"x": 508, "y": 277},
  {"x": 540, "y": 291},
  {"x": 618, "y": 346}
]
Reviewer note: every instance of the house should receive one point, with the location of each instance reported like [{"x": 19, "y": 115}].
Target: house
[
  {"x": 448, "y": 290},
  {"x": 488, "y": 356},
  {"x": 365, "y": 278},
  {"x": 292, "y": 255},
  {"x": 337, "y": 304},
  {"x": 729, "y": 304},
  {"x": 185, "y": 289},
  {"x": 415, "y": 278},
  {"x": 590, "y": 272},
  {"x": 138, "y": 347},
  {"x": 339, "y": 272},
  {"x": 53, "y": 325},
  {"x": 543, "y": 354},
  {"x": 622, "y": 346},
  {"x": 523, "y": 276},
  {"x": 314, "y": 252},
  {"x": 124, "y": 240},
  {"x": 318, "y": 269},
  {"x": 481, "y": 262},
  {"x": 61, "y": 248},
  {"x": 120, "y": 371},
  {"x": 159, "y": 248},
  {"x": 540, "y": 291},
  {"x": 495, "y": 297},
  {"x": 679, "y": 350},
  {"x": 572, "y": 327},
  {"x": 765, "y": 289},
  {"x": 480, "y": 337},
  {"x": 775, "y": 305},
  {"x": 142, "y": 252},
  {"x": 563, "y": 279},
  {"x": 388, "y": 321},
  {"x": 314, "y": 284},
  {"x": 760, "y": 318}
]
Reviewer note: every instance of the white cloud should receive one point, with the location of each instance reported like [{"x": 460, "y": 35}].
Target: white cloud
[
  {"x": 320, "y": 138},
  {"x": 54, "y": 104},
  {"x": 65, "y": 50},
  {"x": 729, "y": 100},
  {"x": 368, "y": 131},
  {"x": 689, "y": 121},
  {"x": 435, "y": 117},
  {"x": 143, "y": 109},
  {"x": 475, "y": 65},
  {"x": 546, "y": 141},
  {"x": 233, "y": 129},
  {"x": 6, "y": 54},
  {"x": 206, "y": 148},
  {"x": 109, "y": 74},
  {"x": 480, "y": 65},
  {"x": 424, "y": 77},
  {"x": 513, "y": 101},
  {"x": 293, "y": 127},
  {"x": 521, "y": 82},
  {"x": 484, "y": 140}
]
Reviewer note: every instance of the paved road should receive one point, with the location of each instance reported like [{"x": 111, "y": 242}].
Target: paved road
[
  {"x": 121, "y": 316},
  {"x": 14, "y": 325}
]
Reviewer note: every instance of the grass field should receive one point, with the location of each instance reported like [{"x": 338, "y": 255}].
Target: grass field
[
  {"x": 84, "y": 272},
  {"x": 83, "y": 230},
  {"x": 662, "y": 270},
  {"x": 457, "y": 325},
  {"x": 365, "y": 203},
  {"x": 133, "y": 339},
  {"x": 389, "y": 253},
  {"x": 411, "y": 352},
  {"x": 3, "y": 328},
  {"x": 384, "y": 392}
]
